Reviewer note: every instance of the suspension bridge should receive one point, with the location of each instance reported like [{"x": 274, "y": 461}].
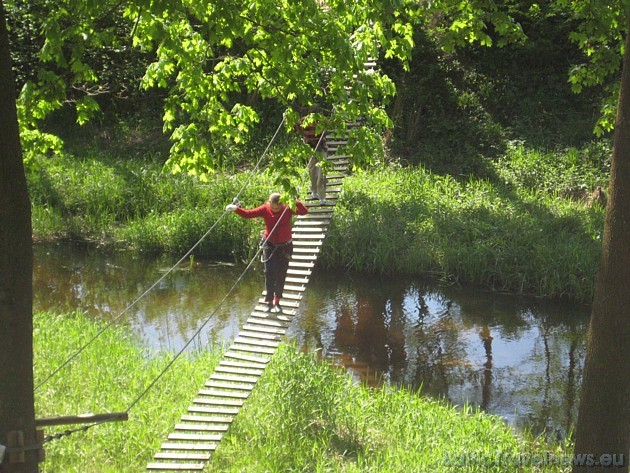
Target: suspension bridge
[
  {"x": 190, "y": 445},
  {"x": 193, "y": 440}
]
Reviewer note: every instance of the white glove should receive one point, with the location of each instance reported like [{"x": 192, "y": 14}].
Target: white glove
[{"x": 231, "y": 208}]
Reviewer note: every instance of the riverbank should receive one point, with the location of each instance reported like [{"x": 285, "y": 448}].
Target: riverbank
[
  {"x": 303, "y": 414},
  {"x": 525, "y": 227}
]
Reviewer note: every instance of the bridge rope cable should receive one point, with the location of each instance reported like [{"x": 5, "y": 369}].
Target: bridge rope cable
[
  {"x": 196, "y": 334},
  {"x": 167, "y": 273},
  {"x": 84, "y": 428}
]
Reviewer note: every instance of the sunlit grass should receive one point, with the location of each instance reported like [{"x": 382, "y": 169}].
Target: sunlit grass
[
  {"x": 109, "y": 376},
  {"x": 472, "y": 231},
  {"x": 304, "y": 414},
  {"x": 308, "y": 416}
]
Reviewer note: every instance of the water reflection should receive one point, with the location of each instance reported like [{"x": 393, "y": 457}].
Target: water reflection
[
  {"x": 517, "y": 357},
  {"x": 66, "y": 278}
]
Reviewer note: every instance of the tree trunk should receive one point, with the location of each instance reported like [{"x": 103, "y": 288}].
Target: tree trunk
[
  {"x": 603, "y": 426},
  {"x": 16, "y": 264}
]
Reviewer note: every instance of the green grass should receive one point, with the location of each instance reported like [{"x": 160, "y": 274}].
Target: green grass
[
  {"x": 409, "y": 221},
  {"x": 109, "y": 376},
  {"x": 515, "y": 231},
  {"x": 304, "y": 415}
]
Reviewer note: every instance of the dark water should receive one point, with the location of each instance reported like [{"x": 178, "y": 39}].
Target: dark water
[{"x": 517, "y": 357}]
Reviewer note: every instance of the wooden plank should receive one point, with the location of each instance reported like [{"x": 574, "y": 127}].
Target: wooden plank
[
  {"x": 198, "y": 409},
  {"x": 253, "y": 359},
  {"x": 254, "y": 327},
  {"x": 297, "y": 280},
  {"x": 247, "y": 365},
  {"x": 196, "y": 437},
  {"x": 207, "y": 419},
  {"x": 273, "y": 316},
  {"x": 324, "y": 217},
  {"x": 181, "y": 456},
  {"x": 308, "y": 236},
  {"x": 252, "y": 345},
  {"x": 260, "y": 335},
  {"x": 295, "y": 288},
  {"x": 304, "y": 257},
  {"x": 290, "y": 296},
  {"x": 288, "y": 309},
  {"x": 252, "y": 349},
  {"x": 315, "y": 210},
  {"x": 307, "y": 244},
  {"x": 192, "y": 447},
  {"x": 306, "y": 250},
  {"x": 229, "y": 386},
  {"x": 335, "y": 176},
  {"x": 219, "y": 393},
  {"x": 176, "y": 466},
  {"x": 311, "y": 223},
  {"x": 217, "y": 403},
  {"x": 301, "y": 264},
  {"x": 305, "y": 229},
  {"x": 201, "y": 428},
  {"x": 256, "y": 342},
  {"x": 82, "y": 419},
  {"x": 264, "y": 319},
  {"x": 269, "y": 323},
  {"x": 299, "y": 272},
  {"x": 234, "y": 378}
]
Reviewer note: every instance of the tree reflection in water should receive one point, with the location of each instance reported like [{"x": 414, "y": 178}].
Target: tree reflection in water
[{"x": 514, "y": 356}]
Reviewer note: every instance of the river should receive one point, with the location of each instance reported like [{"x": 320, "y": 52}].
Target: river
[{"x": 517, "y": 357}]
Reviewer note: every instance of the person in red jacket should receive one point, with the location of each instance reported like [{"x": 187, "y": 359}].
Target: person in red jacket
[{"x": 277, "y": 244}]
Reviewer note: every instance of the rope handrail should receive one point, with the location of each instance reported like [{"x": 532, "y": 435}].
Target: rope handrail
[
  {"x": 124, "y": 414},
  {"x": 170, "y": 270},
  {"x": 196, "y": 334}
]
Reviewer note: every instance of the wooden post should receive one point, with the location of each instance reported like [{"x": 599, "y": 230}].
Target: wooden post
[{"x": 82, "y": 419}]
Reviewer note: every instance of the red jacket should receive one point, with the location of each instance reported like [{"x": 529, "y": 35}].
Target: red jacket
[{"x": 282, "y": 232}]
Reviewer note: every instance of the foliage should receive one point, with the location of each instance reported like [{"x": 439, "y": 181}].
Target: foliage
[
  {"x": 68, "y": 52},
  {"x": 600, "y": 34},
  {"x": 212, "y": 59},
  {"x": 216, "y": 61},
  {"x": 133, "y": 204},
  {"x": 570, "y": 172},
  {"x": 470, "y": 231}
]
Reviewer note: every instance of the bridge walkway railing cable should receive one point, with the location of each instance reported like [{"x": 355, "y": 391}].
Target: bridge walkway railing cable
[{"x": 193, "y": 440}]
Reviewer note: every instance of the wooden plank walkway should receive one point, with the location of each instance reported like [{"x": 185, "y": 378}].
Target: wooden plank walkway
[{"x": 193, "y": 440}]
